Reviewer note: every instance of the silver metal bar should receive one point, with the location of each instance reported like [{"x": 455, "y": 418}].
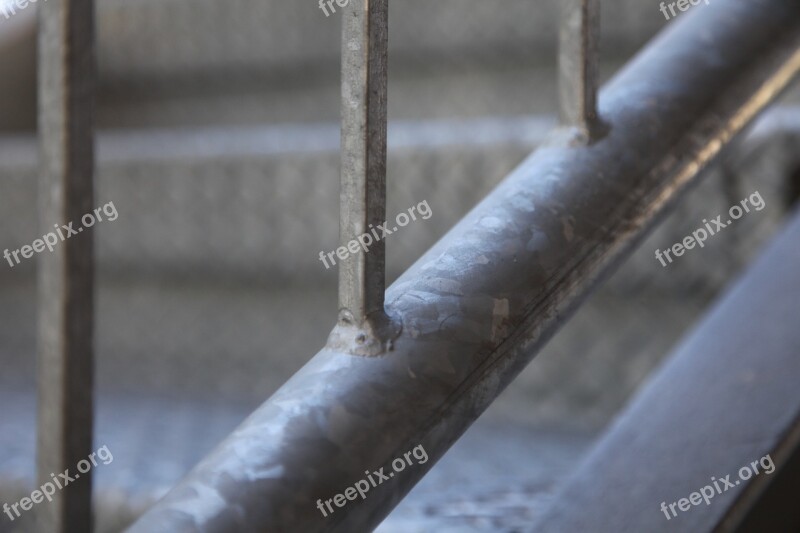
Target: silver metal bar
[
  {"x": 66, "y": 193},
  {"x": 578, "y": 80},
  {"x": 698, "y": 433},
  {"x": 363, "y": 326},
  {"x": 481, "y": 303}
]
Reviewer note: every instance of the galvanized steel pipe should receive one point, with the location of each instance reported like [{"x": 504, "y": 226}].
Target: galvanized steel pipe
[{"x": 478, "y": 306}]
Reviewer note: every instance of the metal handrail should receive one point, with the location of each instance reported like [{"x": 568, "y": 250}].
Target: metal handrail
[{"x": 478, "y": 306}]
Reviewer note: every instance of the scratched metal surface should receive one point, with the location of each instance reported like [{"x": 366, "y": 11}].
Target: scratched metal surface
[{"x": 479, "y": 305}]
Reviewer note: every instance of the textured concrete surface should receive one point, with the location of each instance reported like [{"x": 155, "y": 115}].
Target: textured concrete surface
[{"x": 197, "y": 202}]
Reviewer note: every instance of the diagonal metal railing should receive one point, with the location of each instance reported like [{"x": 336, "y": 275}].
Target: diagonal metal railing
[{"x": 477, "y": 307}]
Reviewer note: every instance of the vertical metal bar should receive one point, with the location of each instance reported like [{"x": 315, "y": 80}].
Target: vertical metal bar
[
  {"x": 362, "y": 283},
  {"x": 579, "y": 37},
  {"x": 66, "y": 292}
]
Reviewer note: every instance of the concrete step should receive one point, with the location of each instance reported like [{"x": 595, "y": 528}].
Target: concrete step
[{"x": 260, "y": 203}]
